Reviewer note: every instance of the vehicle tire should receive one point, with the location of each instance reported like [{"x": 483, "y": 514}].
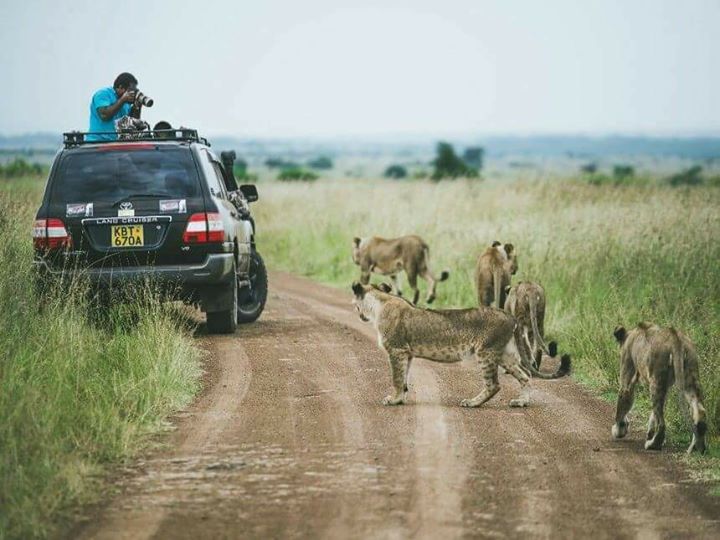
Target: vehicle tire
[
  {"x": 225, "y": 322},
  {"x": 252, "y": 299}
]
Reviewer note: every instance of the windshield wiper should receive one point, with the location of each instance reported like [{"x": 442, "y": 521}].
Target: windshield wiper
[{"x": 141, "y": 196}]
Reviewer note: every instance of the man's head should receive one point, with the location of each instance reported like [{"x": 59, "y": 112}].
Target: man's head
[{"x": 124, "y": 82}]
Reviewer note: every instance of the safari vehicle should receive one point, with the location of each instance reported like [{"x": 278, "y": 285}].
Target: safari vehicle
[{"x": 159, "y": 207}]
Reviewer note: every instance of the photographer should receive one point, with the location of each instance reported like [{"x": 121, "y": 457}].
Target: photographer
[{"x": 111, "y": 103}]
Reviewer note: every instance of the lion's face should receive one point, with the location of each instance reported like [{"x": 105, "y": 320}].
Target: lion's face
[
  {"x": 366, "y": 300},
  {"x": 360, "y": 301}
]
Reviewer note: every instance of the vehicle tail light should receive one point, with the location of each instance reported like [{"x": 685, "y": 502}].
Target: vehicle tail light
[
  {"x": 51, "y": 234},
  {"x": 204, "y": 228}
]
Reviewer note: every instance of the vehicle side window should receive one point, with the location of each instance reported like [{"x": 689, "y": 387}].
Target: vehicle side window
[
  {"x": 221, "y": 178},
  {"x": 214, "y": 180}
]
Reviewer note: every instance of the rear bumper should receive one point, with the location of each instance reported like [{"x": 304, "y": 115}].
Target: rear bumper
[{"x": 217, "y": 269}]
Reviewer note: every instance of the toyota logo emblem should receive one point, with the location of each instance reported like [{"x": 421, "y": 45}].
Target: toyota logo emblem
[{"x": 126, "y": 206}]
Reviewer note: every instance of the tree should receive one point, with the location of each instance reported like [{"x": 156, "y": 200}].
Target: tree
[
  {"x": 474, "y": 157},
  {"x": 448, "y": 165},
  {"x": 395, "y": 171}
]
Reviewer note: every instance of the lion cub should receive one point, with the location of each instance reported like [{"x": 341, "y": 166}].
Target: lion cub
[
  {"x": 389, "y": 257},
  {"x": 526, "y": 302},
  {"x": 658, "y": 356},
  {"x": 492, "y": 273},
  {"x": 405, "y": 332}
]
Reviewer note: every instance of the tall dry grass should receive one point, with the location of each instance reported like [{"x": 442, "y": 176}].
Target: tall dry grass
[{"x": 75, "y": 395}]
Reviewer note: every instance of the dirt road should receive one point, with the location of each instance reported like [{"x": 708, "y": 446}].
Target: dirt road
[{"x": 289, "y": 439}]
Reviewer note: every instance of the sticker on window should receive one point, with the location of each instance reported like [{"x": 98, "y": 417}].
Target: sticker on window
[
  {"x": 79, "y": 209},
  {"x": 177, "y": 206}
]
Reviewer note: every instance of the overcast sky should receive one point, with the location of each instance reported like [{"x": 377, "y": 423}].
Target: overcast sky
[{"x": 365, "y": 67}]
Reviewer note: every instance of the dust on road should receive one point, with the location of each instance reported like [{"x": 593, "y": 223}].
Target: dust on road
[{"x": 289, "y": 439}]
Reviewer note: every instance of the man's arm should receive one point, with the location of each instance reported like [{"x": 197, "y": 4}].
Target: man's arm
[{"x": 106, "y": 113}]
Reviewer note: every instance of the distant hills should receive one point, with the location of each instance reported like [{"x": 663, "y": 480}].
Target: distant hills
[{"x": 578, "y": 147}]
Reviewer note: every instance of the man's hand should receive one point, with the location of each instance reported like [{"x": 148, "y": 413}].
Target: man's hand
[{"x": 128, "y": 96}]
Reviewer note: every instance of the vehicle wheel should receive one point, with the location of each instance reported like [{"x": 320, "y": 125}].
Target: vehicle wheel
[
  {"x": 252, "y": 298},
  {"x": 225, "y": 322}
]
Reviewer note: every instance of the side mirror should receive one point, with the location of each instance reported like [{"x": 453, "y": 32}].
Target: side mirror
[{"x": 250, "y": 192}]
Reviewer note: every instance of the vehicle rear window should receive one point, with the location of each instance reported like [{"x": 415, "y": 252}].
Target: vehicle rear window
[{"x": 113, "y": 174}]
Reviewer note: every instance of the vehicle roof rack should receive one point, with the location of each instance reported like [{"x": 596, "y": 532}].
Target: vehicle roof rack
[{"x": 73, "y": 139}]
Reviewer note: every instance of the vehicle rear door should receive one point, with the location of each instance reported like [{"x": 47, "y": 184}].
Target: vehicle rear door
[{"x": 128, "y": 204}]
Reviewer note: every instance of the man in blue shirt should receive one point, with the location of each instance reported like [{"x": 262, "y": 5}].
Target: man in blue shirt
[{"x": 108, "y": 104}]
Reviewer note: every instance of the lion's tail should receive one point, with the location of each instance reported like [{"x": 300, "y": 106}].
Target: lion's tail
[
  {"x": 677, "y": 357},
  {"x": 550, "y": 350},
  {"x": 443, "y": 275},
  {"x": 562, "y": 370}
]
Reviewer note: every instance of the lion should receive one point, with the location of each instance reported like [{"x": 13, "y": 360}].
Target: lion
[
  {"x": 392, "y": 256},
  {"x": 493, "y": 271},
  {"x": 486, "y": 334},
  {"x": 659, "y": 357},
  {"x": 526, "y": 302}
]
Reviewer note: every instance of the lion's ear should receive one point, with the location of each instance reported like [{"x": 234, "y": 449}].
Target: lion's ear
[
  {"x": 356, "y": 241},
  {"x": 509, "y": 249},
  {"x": 384, "y": 287},
  {"x": 620, "y": 334},
  {"x": 496, "y": 244},
  {"x": 358, "y": 289},
  {"x": 507, "y": 289}
]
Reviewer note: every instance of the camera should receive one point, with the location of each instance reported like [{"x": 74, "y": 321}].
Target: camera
[{"x": 142, "y": 99}]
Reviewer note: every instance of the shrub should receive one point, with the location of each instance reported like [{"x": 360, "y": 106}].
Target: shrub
[
  {"x": 688, "y": 177},
  {"x": 278, "y": 163},
  {"x": 623, "y": 172},
  {"x": 322, "y": 162},
  {"x": 19, "y": 167},
  {"x": 589, "y": 168},
  {"x": 395, "y": 171},
  {"x": 297, "y": 174}
]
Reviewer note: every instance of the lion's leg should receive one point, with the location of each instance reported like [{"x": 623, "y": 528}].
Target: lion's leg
[
  {"x": 626, "y": 396},
  {"x": 396, "y": 284},
  {"x": 488, "y": 369},
  {"x": 407, "y": 378},
  {"x": 411, "y": 272},
  {"x": 693, "y": 397},
  {"x": 656, "y": 428},
  {"x": 512, "y": 363},
  {"x": 399, "y": 364},
  {"x": 432, "y": 285}
]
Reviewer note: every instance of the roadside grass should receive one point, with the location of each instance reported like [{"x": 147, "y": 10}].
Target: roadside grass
[
  {"x": 75, "y": 395},
  {"x": 606, "y": 255}
]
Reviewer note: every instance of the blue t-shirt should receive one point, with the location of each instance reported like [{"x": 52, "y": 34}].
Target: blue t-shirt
[{"x": 104, "y": 98}]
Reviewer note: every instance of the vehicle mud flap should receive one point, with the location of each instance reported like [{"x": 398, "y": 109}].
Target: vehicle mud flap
[{"x": 216, "y": 298}]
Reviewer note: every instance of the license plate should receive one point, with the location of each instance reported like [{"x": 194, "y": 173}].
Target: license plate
[{"x": 126, "y": 236}]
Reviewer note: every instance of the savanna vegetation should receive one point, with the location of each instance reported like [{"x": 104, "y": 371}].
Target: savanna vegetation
[
  {"x": 76, "y": 393},
  {"x": 606, "y": 254}
]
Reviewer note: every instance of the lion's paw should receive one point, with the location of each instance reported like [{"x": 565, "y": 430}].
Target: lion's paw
[
  {"x": 520, "y": 402},
  {"x": 468, "y": 403},
  {"x": 391, "y": 400}
]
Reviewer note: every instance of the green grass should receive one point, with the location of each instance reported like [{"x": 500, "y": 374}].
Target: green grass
[
  {"x": 75, "y": 395},
  {"x": 605, "y": 254}
]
